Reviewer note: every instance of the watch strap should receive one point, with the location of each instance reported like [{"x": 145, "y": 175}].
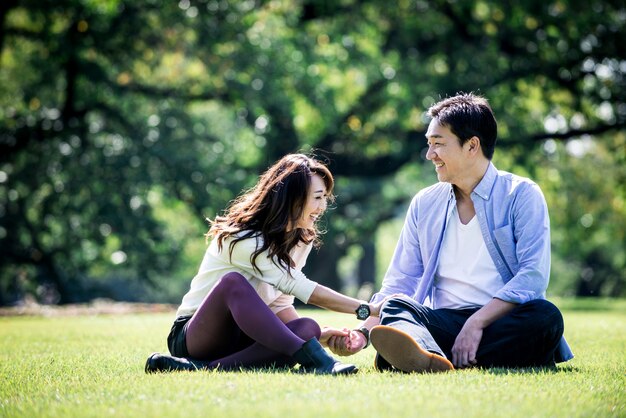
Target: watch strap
[{"x": 366, "y": 333}]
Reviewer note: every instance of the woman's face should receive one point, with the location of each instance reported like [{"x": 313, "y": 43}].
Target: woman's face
[{"x": 315, "y": 203}]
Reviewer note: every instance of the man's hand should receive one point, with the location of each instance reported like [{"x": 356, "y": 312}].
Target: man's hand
[
  {"x": 466, "y": 345},
  {"x": 347, "y": 345}
]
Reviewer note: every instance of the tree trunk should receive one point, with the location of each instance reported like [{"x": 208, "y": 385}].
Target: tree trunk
[
  {"x": 321, "y": 266},
  {"x": 367, "y": 264}
]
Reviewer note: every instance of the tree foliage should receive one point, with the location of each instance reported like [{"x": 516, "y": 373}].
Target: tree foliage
[{"x": 117, "y": 114}]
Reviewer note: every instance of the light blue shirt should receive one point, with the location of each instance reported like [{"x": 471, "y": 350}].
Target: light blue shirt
[{"x": 515, "y": 225}]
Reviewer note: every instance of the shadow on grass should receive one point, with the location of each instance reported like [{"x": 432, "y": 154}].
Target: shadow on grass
[
  {"x": 295, "y": 371},
  {"x": 532, "y": 370},
  {"x": 250, "y": 369}
]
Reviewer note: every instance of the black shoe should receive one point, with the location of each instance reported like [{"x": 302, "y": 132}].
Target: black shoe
[
  {"x": 382, "y": 365},
  {"x": 314, "y": 359},
  {"x": 159, "y": 363}
]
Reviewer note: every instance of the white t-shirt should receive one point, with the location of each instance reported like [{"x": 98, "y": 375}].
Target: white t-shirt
[
  {"x": 275, "y": 285},
  {"x": 466, "y": 275}
]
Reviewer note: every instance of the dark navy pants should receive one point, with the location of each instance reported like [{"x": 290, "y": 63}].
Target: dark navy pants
[{"x": 527, "y": 336}]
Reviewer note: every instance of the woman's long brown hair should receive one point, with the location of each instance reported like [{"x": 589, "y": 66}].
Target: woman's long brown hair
[{"x": 271, "y": 207}]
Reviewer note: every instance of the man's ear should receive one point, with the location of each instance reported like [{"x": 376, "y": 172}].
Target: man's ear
[{"x": 474, "y": 144}]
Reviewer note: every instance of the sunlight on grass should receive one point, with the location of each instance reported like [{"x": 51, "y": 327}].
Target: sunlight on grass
[{"x": 92, "y": 366}]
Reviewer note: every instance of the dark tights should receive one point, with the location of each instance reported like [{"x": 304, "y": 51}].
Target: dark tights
[{"x": 234, "y": 328}]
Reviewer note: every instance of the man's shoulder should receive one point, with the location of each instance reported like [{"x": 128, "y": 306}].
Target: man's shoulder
[
  {"x": 430, "y": 198},
  {"x": 516, "y": 188},
  {"x": 507, "y": 175},
  {"x": 514, "y": 181},
  {"x": 434, "y": 191}
]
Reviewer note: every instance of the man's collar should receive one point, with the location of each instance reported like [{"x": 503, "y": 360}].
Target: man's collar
[{"x": 483, "y": 189}]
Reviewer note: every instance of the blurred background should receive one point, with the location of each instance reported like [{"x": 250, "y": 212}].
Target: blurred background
[{"x": 125, "y": 124}]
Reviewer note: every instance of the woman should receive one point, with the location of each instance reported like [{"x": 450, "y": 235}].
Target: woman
[{"x": 239, "y": 309}]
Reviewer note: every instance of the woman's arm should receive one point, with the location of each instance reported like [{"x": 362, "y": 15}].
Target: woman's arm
[
  {"x": 291, "y": 282},
  {"x": 287, "y": 314},
  {"x": 327, "y": 298},
  {"x": 294, "y": 282}
]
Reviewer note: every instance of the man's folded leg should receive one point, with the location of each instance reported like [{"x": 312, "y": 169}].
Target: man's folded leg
[{"x": 401, "y": 351}]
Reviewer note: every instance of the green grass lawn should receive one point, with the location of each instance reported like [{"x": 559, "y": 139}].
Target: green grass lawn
[{"x": 92, "y": 366}]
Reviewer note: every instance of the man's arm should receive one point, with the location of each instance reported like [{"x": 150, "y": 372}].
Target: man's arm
[
  {"x": 406, "y": 267},
  {"x": 404, "y": 272},
  {"x": 467, "y": 341},
  {"x": 526, "y": 250}
]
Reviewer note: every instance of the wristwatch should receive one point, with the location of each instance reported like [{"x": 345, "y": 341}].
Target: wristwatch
[
  {"x": 366, "y": 333},
  {"x": 363, "y": 311}
]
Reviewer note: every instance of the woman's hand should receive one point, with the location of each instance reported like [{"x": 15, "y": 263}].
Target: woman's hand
[{"x": 328, "y": 332}]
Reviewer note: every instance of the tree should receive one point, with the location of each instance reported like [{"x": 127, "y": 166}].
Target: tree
[{"x": 114, "y": 109}]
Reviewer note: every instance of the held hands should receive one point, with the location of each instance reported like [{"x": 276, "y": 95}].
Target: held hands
[
  {"x": 330, "y": 333},
  {"x": 347, "y": 345},
  {"x": 354, "y": 341}
]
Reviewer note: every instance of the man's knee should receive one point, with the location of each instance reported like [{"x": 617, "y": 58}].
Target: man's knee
[
  {"x": 400, "y": 306},
  {"x": 393, "y": 305},
  {"x": 542, "y": 307},
  {"x": 542, "y": 313}
]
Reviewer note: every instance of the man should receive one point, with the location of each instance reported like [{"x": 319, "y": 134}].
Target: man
[{"x": 466, "y": 285}]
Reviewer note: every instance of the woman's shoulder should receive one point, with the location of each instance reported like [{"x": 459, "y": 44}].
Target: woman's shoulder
[{"x": 244, "y": 239}]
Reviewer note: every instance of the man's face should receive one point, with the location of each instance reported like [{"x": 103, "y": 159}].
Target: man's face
[{"x": 445, "y": 151}]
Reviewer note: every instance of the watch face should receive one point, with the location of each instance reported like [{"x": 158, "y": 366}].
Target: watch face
[{"x": 363, "y": 312}]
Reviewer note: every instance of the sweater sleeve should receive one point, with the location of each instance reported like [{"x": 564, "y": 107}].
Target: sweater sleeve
[
  {"x": 281, "y": 303},
  {"x": 292, "y": 282}
]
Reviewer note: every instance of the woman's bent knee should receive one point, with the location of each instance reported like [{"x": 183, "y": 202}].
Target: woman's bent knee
[
  {"x": 233, "y": 284},
  {"x": 305, "y": 328},
  {"x": 233, "y": 280}
]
